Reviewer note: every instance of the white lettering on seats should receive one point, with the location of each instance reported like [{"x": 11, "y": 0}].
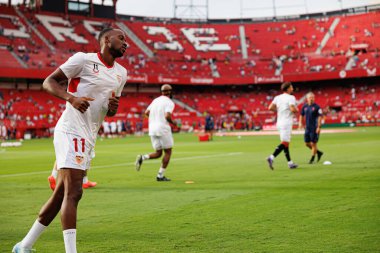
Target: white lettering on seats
[
  {"x": 90, "y": 26},
  {"x": 172, "y": 44},
  {"x": 203, "y": 39},
  {"x": 20, "y": 32},
  {"x": 58, "y": 31}
]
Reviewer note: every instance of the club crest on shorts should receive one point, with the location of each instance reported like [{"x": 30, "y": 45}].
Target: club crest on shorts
[{"x": 79, "y": 159}]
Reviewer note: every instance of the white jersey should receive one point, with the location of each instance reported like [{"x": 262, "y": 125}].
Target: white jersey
[
  {"x": 89, "y": 76},
  {"x": 158, "y": 125},
  {"x": 284, "y": 114}
]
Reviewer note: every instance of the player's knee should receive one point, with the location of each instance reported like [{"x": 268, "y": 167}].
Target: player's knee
[
  {"x": 74, "y": 195},
  {"x": 58, "y": 194},
  {"x": 159, "y": 153},
  {"x": 168, "y": 151}
]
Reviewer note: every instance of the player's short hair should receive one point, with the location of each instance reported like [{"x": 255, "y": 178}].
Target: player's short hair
[
  {"x": 166, "y": 87},
  {"x": 309, "y": 94},
  {"x": 103, "y": 32},
  {"x": 285, "y": 86}
]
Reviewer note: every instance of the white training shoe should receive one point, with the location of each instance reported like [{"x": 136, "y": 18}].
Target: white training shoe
[
  {"x": 139, "y": 161},
  {"x": 17, "y": 249}
]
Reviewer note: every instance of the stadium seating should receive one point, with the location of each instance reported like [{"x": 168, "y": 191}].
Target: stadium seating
[
  {"x": 352, "y": 30},
  {"x": 201, "y": 52},
  {"x": 186, "y": 49},
  {"x": 7, "y": 59},
  {"x": 29, "y": 110}
]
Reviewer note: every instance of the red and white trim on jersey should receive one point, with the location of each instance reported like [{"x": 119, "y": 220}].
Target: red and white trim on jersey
[
  {"x": 101, "y": 59},
  {"x": 73, "y": 85}
]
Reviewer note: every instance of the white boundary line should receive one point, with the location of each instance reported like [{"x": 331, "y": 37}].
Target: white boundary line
[
  {"x": 123, "y": 164},
  {"x": 274, "y": 132}
]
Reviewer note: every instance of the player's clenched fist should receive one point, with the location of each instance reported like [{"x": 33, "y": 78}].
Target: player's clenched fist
[
  {"x": 80, "y": 103},
  {"x": 113, "y": 104}
]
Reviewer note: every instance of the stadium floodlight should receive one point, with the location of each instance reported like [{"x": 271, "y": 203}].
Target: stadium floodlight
[{"x": 191, "y": 9}]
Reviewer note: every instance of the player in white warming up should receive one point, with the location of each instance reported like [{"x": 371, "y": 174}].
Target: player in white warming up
[
  {"x": 96, "y": 81},
  {"x": 285, "y": 105},
  {"x": 160, "y": 117}
]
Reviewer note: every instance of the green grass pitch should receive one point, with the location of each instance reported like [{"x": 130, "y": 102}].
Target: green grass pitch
[{"x": 236, "y": 203}]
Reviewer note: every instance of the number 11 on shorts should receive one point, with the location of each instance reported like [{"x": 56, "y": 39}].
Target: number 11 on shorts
[{"x": 76, "y": 144}]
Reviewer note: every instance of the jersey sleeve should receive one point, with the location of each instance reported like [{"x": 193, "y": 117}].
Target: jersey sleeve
[
  {"x": 320, "y": 112},
  {"x": 74, "y": 65},
  {"x": 275, "y": 101},
  {"x": 169, "y": 107},
  {"x": 149, "y": 107},
  {"x": 123, "y": 81},
  {"x": 292, "y": 100}
]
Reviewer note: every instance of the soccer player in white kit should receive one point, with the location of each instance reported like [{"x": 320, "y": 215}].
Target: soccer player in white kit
[
  {"x": 285, "y": 105},
  {"x": 160, "y": 117},
  {"x": 96, "y": 81}
]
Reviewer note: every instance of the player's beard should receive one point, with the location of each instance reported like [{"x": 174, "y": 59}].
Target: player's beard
[{"x": 116, "y": 53}]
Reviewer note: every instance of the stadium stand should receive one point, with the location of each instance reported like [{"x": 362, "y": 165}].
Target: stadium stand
[
  {"x": 205, "y": 50},
  {"x": 233, "y": 109},
  {"x": 324, "y": 48}
]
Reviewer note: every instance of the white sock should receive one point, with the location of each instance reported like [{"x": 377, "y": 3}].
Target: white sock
[
  {"x": 85, "y": 179},
  {"x": 32, "y": 235},
  {"x": 145, "y": 157},
  {"x": 54, "y": 173},
  {"x": 161, "y": 172},
  {"x": 271, "y": 157},
  {"x": 290, "y": 162},
  {"x": 70, "y": 238}
]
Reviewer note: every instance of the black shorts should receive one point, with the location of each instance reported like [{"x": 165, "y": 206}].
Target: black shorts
[{"x": 311, "y": 136}]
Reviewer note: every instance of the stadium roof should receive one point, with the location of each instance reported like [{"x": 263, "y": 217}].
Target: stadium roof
[{"x": 226, "y": 9}]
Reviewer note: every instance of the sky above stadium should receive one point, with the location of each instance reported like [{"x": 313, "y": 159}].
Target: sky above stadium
[
  {"x": 228, "y": 8},
  {"x": 236, "y": 8}
]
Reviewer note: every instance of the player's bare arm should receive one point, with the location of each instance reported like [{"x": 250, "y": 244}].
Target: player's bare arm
[
  {"x": 300, "y": 122},
  {"x": 113, "y": 104},
  {"x": 293, "y": 109},
  {"x": 319, "y": 125},
  {"x": 168, "y": 117},
  {"x": 272, "y": 107},
  {"x": 52, "y": 86}
]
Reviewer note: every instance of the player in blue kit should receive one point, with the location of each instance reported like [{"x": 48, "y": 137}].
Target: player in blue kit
[{"x": 312, "y": 114}]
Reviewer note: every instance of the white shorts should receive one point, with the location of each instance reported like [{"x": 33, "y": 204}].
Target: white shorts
[
  {"x": 72, "y": 151},
  {"x": 162, "y": 142},
  {"x": 285, "y": 132}
]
